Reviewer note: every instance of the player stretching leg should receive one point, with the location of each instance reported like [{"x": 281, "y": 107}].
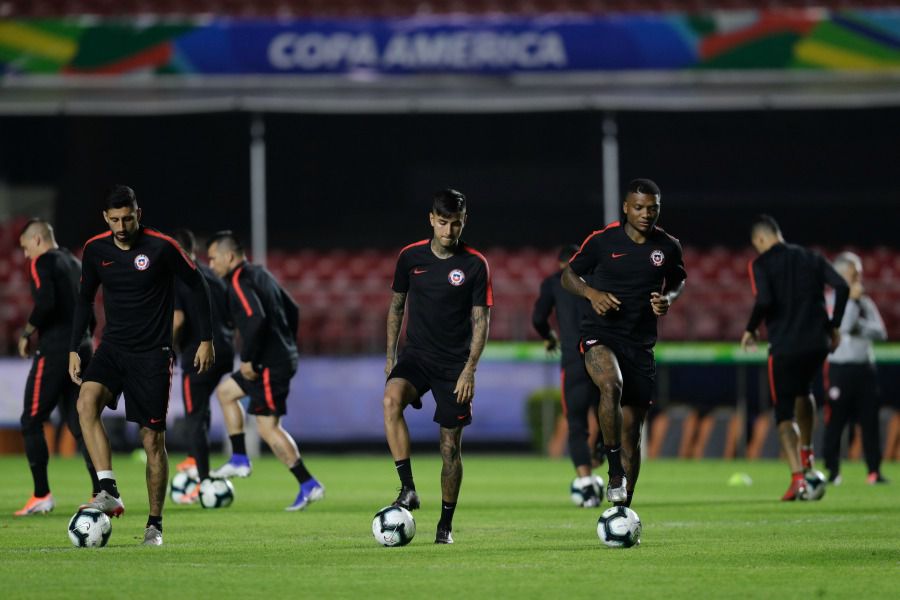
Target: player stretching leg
[
  {"x": 137, "y": 267},
  {"x": 631, "y": 273},
  {"x": 267, "y": 319},
  {"x": 447, "y": 287}
]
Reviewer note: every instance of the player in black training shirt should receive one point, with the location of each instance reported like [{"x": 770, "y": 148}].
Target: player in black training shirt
[
  {"x": 137, "y": 267},
  {"x": 789, "y": 284},
  {"x": 267, "y": 319},
  {"x": 631, "y": 272},
  {"x": 446, "y": 285},
  {"x": 580, "y": 397},
  {"x": 196, "y": 388},
  {"x": 54, "y": 287}
]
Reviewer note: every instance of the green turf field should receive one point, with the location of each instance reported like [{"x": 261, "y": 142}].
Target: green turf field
[{"x": 517, "y": 535}]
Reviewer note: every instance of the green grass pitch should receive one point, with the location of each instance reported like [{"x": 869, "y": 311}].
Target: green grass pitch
[{"x": 517, "y": 536}]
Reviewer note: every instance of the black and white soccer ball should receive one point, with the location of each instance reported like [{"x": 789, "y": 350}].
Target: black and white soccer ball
[
  {"x": 619, "y": 527},
  {"x": 182, "y": 487},
  {"x": 393, "y": 526},
  {"x": 815, "y": 485},
  {"x": 89, "y": 528},
  {"x": 576, "y": 494},
  {"x": 216, "y": 493}
]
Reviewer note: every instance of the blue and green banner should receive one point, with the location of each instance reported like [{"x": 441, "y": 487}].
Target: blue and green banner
[{"x": 453, "y": 44}]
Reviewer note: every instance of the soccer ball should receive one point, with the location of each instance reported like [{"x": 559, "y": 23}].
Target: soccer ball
[
  {"x": 89, "y": 528},
  {"x": 182, "y": 486},
  {"x": 815, "y": 485},
  {"x": 619, "y": 527},
  {"x": 575, "y": 491},
  {"x": 393, "y": 526},
  {"x": 216, "y": 493}
]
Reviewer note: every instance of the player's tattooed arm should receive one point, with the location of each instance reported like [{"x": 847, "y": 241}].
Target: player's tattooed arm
[
  {"x": 602, "y": 302},
  {"x": 465, "y": 384},
  {"x": 394, "y": 322}
]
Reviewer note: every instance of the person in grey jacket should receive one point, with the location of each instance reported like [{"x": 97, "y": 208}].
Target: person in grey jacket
[{"x": 850, "y": 379}]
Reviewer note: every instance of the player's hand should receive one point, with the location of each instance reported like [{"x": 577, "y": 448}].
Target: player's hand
[
  {"x": 552, "y": 345},
  {"x": 23, "y": 347},
  {"x": 660, "y": 303},
  {"x": 248, "y": 372},
  {"x": 75, "y": 368},
  {"x": 603, "y": 302},
  {"x": 205, "y": 357},
  {"x": 835, "y": 339},
  {"x": 748, "y": 341},
  {"x": 389, "y": 365},
  {"x": 465, "y": 386}
]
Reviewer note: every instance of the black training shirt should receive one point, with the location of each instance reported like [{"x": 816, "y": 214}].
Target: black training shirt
[
  {"x": 54, "y": 288},
  {"x": 610, "y": 261},
  {"x": 789, "y": 284},
  {"x": 138, "y": 290},
  {"x": 440, "y": 297},
  {"x": 223, "y": 327},
  {"x": 570, "y": 311}
]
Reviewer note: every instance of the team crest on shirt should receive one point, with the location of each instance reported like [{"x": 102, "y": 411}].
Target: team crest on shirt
[
  {"x": 456, "y": 277},
  {"x": 141, "y": 262},
  {"x": 657, "y": 258}
]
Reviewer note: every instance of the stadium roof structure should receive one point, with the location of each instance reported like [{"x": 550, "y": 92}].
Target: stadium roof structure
[{"x": 699, "y": 90}]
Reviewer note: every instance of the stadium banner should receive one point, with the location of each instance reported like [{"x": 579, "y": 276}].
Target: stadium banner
[{"x": 455, "y": 44}]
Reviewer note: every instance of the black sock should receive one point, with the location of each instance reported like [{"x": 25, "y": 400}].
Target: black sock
[
  {"x": 38, "y": 457},
  {"x": 447, "y": 510},
  {"x": 404, "y": 470},
  {"x": 109, "y": 486},
  {"x": 237, "y": 444},
  {"x": 201, "y": 455},
  {"x": 630, "y": 496},
  {"x": 614, "y": 458},
  {"x": 300, "y": 472},
  {"x": 155, "y": 521}
]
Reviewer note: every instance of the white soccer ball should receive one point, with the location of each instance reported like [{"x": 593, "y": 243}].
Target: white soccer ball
[
  {"x": 575, "y": 491},
  {"x": 815, "y": 485},
  {"x": 393, "y": 526},
  {"x": 89, "y": 528},
  {"x": 216, "y": 493},
  {"x": 182, "y": 486},
  {"x": 619, "y": 527}
]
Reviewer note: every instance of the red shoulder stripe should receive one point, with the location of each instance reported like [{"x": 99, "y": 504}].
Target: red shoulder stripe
[
  {"x": 95, "y": 238},
  {"x": 414, "y": 244},
  {"x": 240, "y": 292},
  {"x": 612, "y": 225},
  {"x": 34, "y": 274},
  {"x": 487, "y": 268},
  {"x": 752, "y": 278},
  {"x": 178, "y": 247}
]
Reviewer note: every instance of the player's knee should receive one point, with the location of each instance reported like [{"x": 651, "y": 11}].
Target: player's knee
[
  {"x": 31, "y": 426},
  {"x": 87, "y": 405},
  {"x": 392, "y": 405},
  {"x": 577, "y": 430}
]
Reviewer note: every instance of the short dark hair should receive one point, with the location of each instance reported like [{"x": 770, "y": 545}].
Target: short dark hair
[
  {"x": 766, "y": 222},
  {"x": 226, "y": 238},
  {"x": 448, "y": 202},
  {"x": 186, "y": 239},
  {"x": 643, "y": 186},
  {"x": 567, "y": 252},
  {"x": 120, "y": 196}
]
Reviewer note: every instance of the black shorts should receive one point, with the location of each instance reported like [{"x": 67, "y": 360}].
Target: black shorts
[
  {"x": 579, "y": 392},
  {"x": 268, "y": 393},
  {"x": 196, "y": 388},
  {"x": 790, "y": 376},
  {"x": 49, "y": 386},
  {"x": 638, "y": 367},
  {"x": 145, "y": 379},
  {"x": 425, "y": 375}
]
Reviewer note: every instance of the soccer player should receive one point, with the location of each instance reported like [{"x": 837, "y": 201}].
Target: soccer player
[
  {"x": 447, "y": 286},
  {"x": 788, "y": 282},
  {"x": 580, "y": 397},
  {"x": 631, "y": 273},
  {"x": 267, "y": 319},
  {"x": 54, "y": 288},
  {"x": 198, "y": 387},
  {"x": 851, "y": 382},
  {"x": 137, "y": 267}
]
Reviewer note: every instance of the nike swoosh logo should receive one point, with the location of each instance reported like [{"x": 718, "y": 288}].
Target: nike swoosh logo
[
  {"x": 614, "y": 255},
  {"x": 155, "y": 421},
  {"x": 419, "y": 271},
  {"x": 106, "y": 263}
]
